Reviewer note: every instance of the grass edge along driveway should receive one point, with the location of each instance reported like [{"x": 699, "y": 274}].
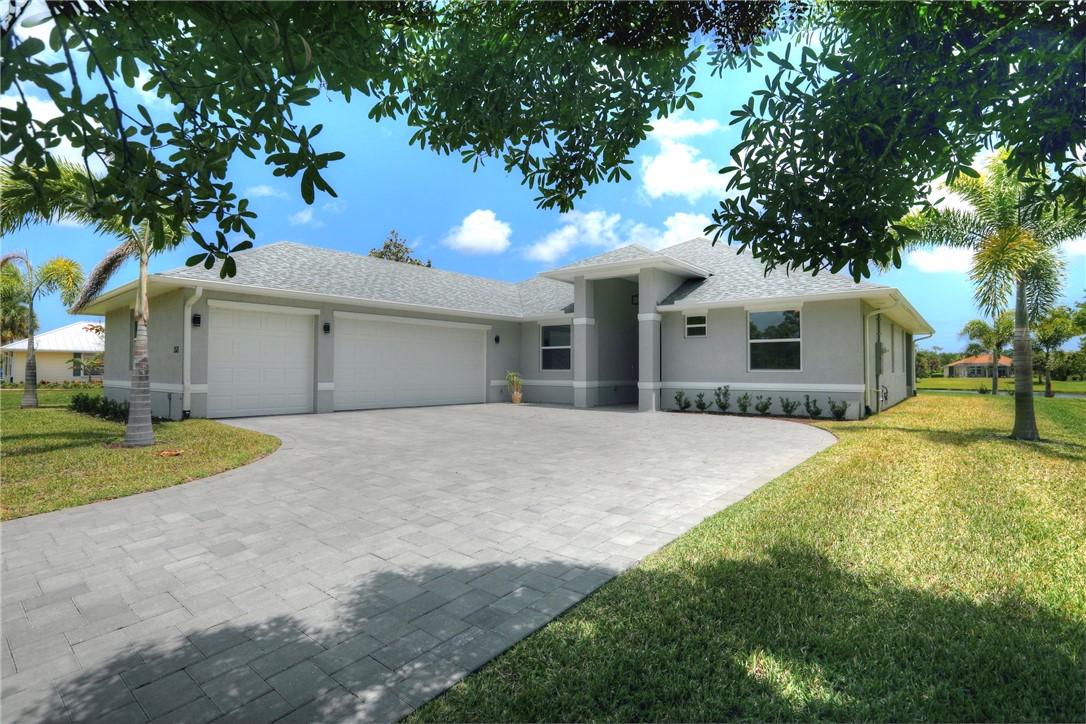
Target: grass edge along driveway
[
  {"x": 924, "y": 568},
  {"x": 53, "y": 458}
]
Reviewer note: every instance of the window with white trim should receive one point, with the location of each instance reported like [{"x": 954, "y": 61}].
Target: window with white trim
[
  {"x": 555, "y": 347},
  {"x": 774, "y": 340},
  {"x": 696, "y": 326}
]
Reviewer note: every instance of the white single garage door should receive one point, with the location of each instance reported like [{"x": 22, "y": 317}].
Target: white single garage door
[
  {"x": 259, "y": 362},
  {"x": 388, "y": 362}
]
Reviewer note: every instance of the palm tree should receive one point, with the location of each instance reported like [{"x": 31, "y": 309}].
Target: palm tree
[
  {"x": 15, "y": 323},
  {"x": 993, "y": 337},
  {"x": 1054, "y": 330},
  {"x": 59, "y": 274},
  {"x": 70, "y": 196},
  {"x": 1014, "y": 239}
]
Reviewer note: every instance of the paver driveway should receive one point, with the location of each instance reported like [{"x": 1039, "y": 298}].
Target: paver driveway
[{"x": 362, "y": 569}]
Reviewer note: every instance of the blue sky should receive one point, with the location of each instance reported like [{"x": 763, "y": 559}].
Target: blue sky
[{"x": 485, "y": 223}]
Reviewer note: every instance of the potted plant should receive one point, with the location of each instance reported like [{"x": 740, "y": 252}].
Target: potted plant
[{"x": 515, "y": 383}]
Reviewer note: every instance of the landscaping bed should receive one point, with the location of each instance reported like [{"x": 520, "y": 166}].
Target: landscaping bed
[
  {"x": 924, "y": 568},
  {"x": 54, "y": 458}
]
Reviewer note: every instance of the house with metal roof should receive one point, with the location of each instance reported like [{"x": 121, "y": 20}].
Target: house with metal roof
[
  {"x": 301, "y": 329},
  {"x": 53, "y": 352}
]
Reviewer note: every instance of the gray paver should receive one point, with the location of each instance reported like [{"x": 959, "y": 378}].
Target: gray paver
[{"x": 355, "y": 581}]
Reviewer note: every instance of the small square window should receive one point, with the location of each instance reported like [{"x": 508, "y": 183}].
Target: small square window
[{"x": 696, "y": 326}]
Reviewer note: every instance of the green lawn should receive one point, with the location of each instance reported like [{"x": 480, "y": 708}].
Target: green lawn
[
  {"x": 1005, "y": 384},
  {"x": 53, "y": 458},
  {"x": 924, "y": 568}
]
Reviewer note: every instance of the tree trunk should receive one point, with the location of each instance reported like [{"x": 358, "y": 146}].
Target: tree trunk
[
  {"x": 30, "y": 374},
  {"x": 139, "y": 432},
  {"x": 995, "y": 371},
  {"x": 1025, "y": 421},
  {"x": 1048, "y": 375}
]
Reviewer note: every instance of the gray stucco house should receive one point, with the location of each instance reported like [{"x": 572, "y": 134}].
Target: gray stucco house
[{"x": 302, "y": 329}]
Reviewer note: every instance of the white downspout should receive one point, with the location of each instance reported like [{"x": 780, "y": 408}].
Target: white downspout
[
  {"x": 912, "y": 357},
  {"x": 867, "y": 386},
  {"x": 186, "y": 360}
]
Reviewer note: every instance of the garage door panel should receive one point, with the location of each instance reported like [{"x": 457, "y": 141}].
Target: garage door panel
[
  {"x": 394, "y": 364},
  {"x": 260, "y": 363}
]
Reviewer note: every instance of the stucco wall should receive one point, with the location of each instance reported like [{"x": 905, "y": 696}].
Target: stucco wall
[
  {"x": 893, "y": 375},
  {"x": 616, "y": 337},
  {"x": 550, "y": 386},
  {"x": 52, "y": 367},
  {"x": 831, "y": 336}
]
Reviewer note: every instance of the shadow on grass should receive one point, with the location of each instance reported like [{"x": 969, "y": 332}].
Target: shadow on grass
[
  {"x": 44, "y": 442},
  {"x": 786, "y": 636}
]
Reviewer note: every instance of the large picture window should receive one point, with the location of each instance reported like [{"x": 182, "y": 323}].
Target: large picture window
[
  {"x": 774, "y": 340},
  {"x": 555, "y": 348}
]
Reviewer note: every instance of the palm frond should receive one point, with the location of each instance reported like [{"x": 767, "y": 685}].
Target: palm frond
[
  {"x": 60, "y": 274},
  {"x": 104, "y": 271},
  {"x": 1044, "y": 283},
  {"x": 10, "y": 257},
  {"x": 997, "y": 265},
  {"x": 44, "y": 195},
  {"x": 959, "y": 229}
]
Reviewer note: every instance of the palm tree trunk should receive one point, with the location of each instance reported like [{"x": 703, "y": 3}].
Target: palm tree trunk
[
  {"x": 1025, "y": 421},
  {"x": 995, "y": 368},
  {"x": 139, "y": 432},
  {"x": 30, "y": 374},
  {"x": 1048, "y": 374}
]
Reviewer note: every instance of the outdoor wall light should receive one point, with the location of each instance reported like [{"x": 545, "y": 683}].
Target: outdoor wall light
[
  {"x": 196, "y": 320},
  {"x": 327, "y": 327},
  {"x": 497, "y": 338},
  {"x": 634, "y": 299}
]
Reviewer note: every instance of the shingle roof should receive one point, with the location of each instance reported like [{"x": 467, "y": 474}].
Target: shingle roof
[
  {"x": 740, "y": 277},
  {"x": 69, "y": 338},
  {"x": 294, "y": 267},
  {"x": 633, "y": 252}
]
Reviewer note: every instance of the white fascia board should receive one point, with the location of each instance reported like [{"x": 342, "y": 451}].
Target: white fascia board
[{"x": 778, "y": 302}]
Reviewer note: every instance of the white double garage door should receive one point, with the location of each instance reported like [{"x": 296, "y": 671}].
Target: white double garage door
[{"x": 262, "y": 360}]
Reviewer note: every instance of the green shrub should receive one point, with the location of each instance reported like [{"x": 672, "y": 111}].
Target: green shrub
[
  {"x": 681, "y": 401},
  {"x": 789, "y": 406},
  {"x": 700, "y": 403},
  {"x": 722, "y": 398},
  {"x": 98, "y": 406},
  {"x": 811, "y": 406},
  {"x": 984, "y": 390},
  {"x": 763, "y": 404},
  {"x": 743, "y": 402},
  {"x": 839, "y": 409}
]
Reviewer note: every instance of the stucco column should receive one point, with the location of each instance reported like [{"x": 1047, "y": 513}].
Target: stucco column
[
  {"x": 585, "y": 353},
  {"x": 648, "y": 343},
  {"x": 325, "y": 360}
]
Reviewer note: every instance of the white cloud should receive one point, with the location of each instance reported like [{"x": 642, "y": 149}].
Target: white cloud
[
  {"x": 479, "y": 233},
  {"x": 941, "y": 259},
  {"x": 43, "y": 110},
  {"x": 1075, "y": 247},
  {"x": 678, "y": 126},
  {"x": 305, "y": 218},
  {"x": 600, "y": 231},
  {"x": 262, "y": 191},
  {"x": 679, "y": 170},
  {"x": 336, "y": 206}
]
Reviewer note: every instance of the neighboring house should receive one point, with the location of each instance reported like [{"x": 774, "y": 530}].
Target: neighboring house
[
  {"x": 302, "y": 329},
  {"x": 53, "y": 352},
  {"x": 979, "y": 365}
]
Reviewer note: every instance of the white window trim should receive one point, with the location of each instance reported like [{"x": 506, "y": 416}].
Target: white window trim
[
  {"x": 569, "y": 347},
  {"x": 687, "y": 325},
  {"x": 789, "y": 339}
]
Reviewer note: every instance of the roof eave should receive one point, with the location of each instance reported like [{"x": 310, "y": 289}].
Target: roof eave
[{"x": 612, "y": 269}]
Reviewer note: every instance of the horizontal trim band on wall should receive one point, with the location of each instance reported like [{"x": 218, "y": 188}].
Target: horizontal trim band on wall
[
  {"x": 267, "y": 308},
  {"x": 325, "y": 386},
  {"x": 584, "y": 320},
  {"x": 768, "y": 386},
  {"x": 649, "y": 317},
  {"x": 155, "y": 386},
  {"x": 568, "y": 383},
  {"x": 388, "y": 318}
]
